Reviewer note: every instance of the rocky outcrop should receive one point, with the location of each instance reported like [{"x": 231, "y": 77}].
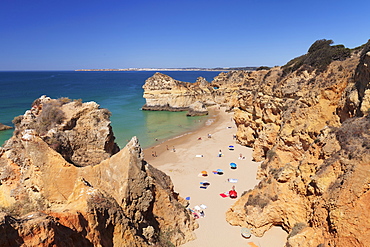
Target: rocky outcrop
[
  {"x": 197, "y": 109},
  {"x": 310, "y": 129},
  {"x": 81, "y": 133},
  {"x": 4, "y": 127},
  {"x": 50, "y": 195},
  {"x": 162, "y": 92}
]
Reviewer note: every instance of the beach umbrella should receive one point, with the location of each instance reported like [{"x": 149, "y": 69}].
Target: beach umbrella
[
  {"x": 246, "y": 232},
  {"x": 204, "y": 173},
  {"x": 232, "y": 165},
  {"x": 220, "y": 171},
  {"x": 231, "y": 147},
  {"x": 205, "y": 183},
  {"x": 233, "y": 194}
]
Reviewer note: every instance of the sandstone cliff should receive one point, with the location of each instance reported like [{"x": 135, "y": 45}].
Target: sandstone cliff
[
  {"x": 163, "y": 93},
  {"x": 307, "y": 122},
  {"x": 64, "y": 182}
]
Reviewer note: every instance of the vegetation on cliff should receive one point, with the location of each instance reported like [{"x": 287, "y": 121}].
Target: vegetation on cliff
[
  {"x": 319, "y": 56},
  {"x": 307, "y": 122},
  {"x": 64, "y": 182}
]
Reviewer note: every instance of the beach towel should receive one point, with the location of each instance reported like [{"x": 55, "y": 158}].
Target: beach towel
[
  {"x": 199, "y": 155},
  {"x": 203, "y": 206},
  {"x": 223, "y": 195},
  {"x": 203, "y": 187},
  {"x": 252, "y": 244},
  {"x": 197, "y": 207},
  {"x": 232, "y": 180}
]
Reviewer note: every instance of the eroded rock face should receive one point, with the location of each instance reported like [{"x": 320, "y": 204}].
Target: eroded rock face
[
  {"x": 162, "y": 92},
  {"x": 197, "y": 109},
  {"x": 117, "y": 201},
  {"x": 311, "y": 131}
]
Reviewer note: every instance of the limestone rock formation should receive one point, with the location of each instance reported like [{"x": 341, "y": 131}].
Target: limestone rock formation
[
  {"x": 307, "y": 122},
  {"x": 4, "y": 127},
  {"x": 197, "y": 109},
  {"x": 64, "y": 182},
  {"x": 162, "y": 92}
]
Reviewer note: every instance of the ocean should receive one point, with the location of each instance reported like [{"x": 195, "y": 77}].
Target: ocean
[{"x": 119, "y": 91}]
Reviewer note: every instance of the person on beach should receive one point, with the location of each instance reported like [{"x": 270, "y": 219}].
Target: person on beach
[
  {"x": 173, "y": 149},
  {"x": 220, "y": 153},
  {"x": 167, "y": 147},
  {"x": 201, "y": 214},
  {"x": 209, "y": 135},
  {"x": 232, "y": 193}
]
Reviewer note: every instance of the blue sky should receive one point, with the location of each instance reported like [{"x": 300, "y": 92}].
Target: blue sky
[{"x": 68, "y": 35}]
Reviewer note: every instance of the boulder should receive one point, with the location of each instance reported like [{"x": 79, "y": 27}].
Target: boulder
[
  {"x": 197, "y": 109},
  {"x": 5, "y": 127}
]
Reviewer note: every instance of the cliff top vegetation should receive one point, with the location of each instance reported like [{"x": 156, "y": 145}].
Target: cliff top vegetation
[{"x": 320, "y": 54}]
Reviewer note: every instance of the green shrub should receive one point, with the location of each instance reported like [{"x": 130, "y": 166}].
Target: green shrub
[
  {"x": 270, "y": 154},
  {"x": 257, "y": 200},
  {"x": 164, "y": 238},
  {"x": 78, "y": 102},
  {"x": 297, "y": 228},
  {"x": 319, "y": 56},
  {"x": 64, "y": 100},
  {"x": 263, "y": 68},
  {"x": 51, "y": 115},
  {"x": 17, "y": 120}
]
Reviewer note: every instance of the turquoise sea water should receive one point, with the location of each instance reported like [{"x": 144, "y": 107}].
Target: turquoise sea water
[{"x": 120, "y": 92}]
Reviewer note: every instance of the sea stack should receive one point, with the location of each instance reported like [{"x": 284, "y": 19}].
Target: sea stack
[
  {"x": 197, "y": 109},
  {"x": 163, "y": 93}
]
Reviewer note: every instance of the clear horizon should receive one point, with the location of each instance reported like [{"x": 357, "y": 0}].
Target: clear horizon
[{"x": 70, "y": 35}]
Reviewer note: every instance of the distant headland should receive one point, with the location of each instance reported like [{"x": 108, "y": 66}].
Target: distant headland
[{"x": 174, "y": 69}]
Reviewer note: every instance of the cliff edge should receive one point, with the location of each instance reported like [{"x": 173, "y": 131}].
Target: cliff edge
[
  {"x": 308, "y": 123},
  {"x": 64, "y": 182}
]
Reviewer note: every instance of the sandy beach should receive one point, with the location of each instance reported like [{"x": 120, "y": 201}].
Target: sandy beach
[{"x": 185, "y": 157}]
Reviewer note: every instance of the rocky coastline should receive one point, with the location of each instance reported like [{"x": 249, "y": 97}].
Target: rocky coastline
[
  {"x": 5, "y": 127},
  {"x": 64, "y": 182},
  {"x": 307, "y": 122}
]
